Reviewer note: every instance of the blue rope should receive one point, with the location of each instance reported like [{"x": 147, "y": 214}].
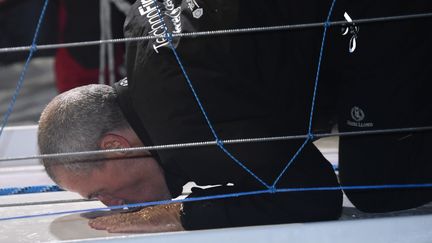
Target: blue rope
[
  {"x": 204, "y": 113},
  {"x": 290, "y": 162},
  {"x": 321, "y": 54},
  {"x": 33, "y": 49},
  {"x": 310, "y": 134},
  {"x": 243, "y": 166},
  {"x": 222, "y": 196},
  {"x": 168, "y": 36},
  {"x": 29, "y": 189}
]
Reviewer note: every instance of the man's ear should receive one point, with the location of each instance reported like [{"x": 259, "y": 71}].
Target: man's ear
[{"x": 114, "y": 141}]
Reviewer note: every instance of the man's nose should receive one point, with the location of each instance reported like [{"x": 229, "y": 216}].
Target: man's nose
[{"x": 110, "y": 201}]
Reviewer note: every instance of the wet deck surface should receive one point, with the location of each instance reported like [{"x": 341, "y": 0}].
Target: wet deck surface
[{"x": 74, "y": 226}]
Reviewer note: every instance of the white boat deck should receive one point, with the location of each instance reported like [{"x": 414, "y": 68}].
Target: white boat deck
[{"x": 73, "y": 227}]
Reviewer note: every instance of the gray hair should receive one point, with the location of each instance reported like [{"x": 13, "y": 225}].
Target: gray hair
[{"x": 75, "y": 121}]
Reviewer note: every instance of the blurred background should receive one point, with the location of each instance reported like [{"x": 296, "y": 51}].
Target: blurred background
[
  {"x": 18, "y": 21},
  {"x": 57, "y": 70}
]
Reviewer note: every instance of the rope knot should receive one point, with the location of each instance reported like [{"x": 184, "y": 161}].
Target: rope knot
[
  {"x": 310, "y": 136},
  {"x": 219, "y": 142},
  {"x": 168, "y": 35},
  {"x": 33, "y": 47},
  {"x": 272, "y": 189},
  {"x": 326, "y": 24}
]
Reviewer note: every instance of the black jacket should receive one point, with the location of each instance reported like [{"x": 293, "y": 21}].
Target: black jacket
[
  {"x": 385, "y": 84},
  {"x": 251, "y": 85}
]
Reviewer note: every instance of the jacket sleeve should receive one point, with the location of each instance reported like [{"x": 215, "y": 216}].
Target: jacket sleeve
[
  {"x": 309, "y": 170},
  {"x": 260, "y": 209}
]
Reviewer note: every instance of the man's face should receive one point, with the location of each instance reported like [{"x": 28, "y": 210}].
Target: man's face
[{"x": 118, "y": 182}]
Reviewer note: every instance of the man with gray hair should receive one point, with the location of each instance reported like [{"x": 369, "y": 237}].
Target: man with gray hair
[
  {"x": 68, "y": 124},
  {"x": 244, "y": 88}
]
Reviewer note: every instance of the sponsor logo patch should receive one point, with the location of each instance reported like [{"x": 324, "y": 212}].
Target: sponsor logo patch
[
  {"x": 196, "y": 10},
  {"x": 358, "y": 116},
  {"x": 154, "y": 15}
]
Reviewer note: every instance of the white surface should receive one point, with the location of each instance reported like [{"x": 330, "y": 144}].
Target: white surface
[
  {"x": 74, "y": 228},
  {"x": 16, "y": 142},
  {"x": 414, "y": 229},
  {"x": 48, "y": 228},
  {"x": 329, "y": 148},
  {"x": 21, "y": 141},
  {"x": 21, "y": 176}
]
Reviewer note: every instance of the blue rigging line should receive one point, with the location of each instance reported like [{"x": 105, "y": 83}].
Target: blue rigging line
[
  {"x": 321, "y": 54},
  {"x": 168, "y": 36},
  {"x": 310, "y": 134},
  {"x": 229, "y": 195},
  {"x": 290, "y": 162},
  {"x": 33, "y": 49},
  {"x": 29, "y": 189}
]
